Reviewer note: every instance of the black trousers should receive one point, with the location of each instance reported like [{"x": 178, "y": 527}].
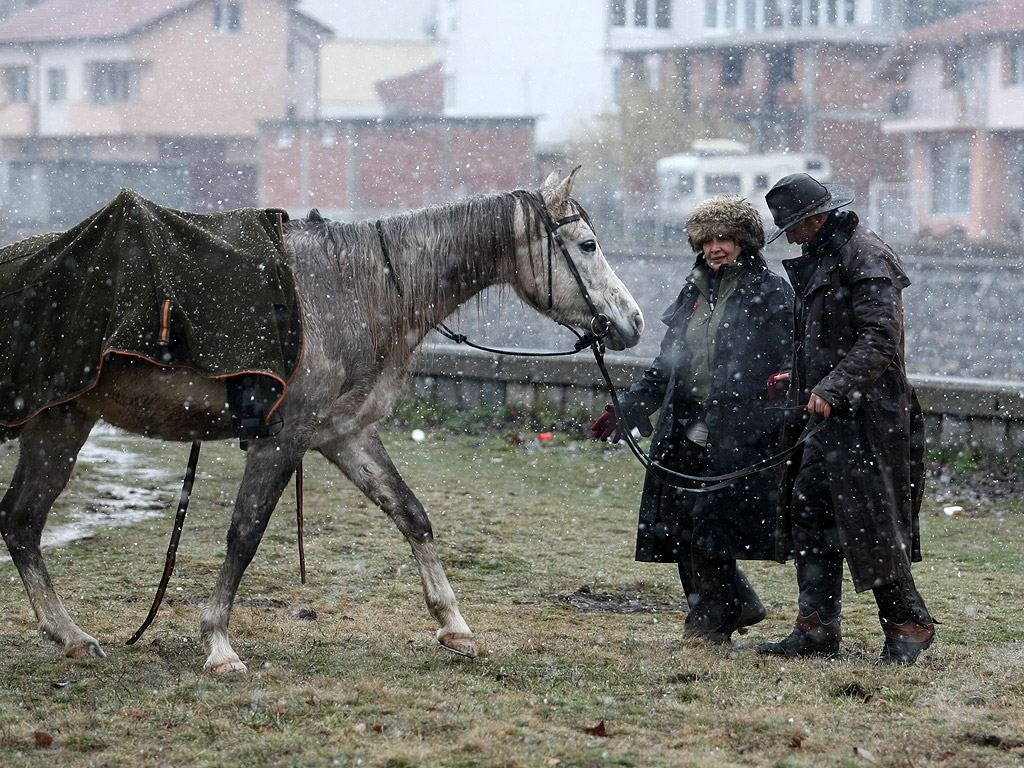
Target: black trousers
[{"x": 819, "y": 554}]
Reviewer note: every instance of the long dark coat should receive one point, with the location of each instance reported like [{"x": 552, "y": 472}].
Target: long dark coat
[
  {"x": 753, "y": 341},
  {"x": 850, "y": 351}
]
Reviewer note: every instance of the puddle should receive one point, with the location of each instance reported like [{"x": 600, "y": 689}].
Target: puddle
[{"x": 111, "y": 458}]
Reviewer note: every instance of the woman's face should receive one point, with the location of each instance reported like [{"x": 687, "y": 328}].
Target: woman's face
[{"x": 720, "y": 250}]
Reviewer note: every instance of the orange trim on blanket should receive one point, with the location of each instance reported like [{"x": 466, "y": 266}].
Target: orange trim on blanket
[
  {"x": 137, "y": 356},
  {"x": 165, "y": 329}
]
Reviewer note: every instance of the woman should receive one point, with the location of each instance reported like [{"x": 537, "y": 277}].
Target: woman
[{"x": 729, "y": 331}]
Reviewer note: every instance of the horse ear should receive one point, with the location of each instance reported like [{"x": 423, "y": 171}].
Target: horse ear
[{"x": 562, "y": 188}]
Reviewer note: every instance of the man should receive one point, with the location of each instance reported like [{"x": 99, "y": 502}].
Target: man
[{"x": 855, "y": 490}]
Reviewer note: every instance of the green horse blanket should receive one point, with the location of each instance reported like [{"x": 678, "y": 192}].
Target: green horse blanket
[{"x": 212, "y": 292}]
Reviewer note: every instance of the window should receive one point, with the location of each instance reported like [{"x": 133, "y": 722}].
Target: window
[
  {"x": 954, "y": 68},
  {"x": 732, "y": 67},
  {"x": 780, "y": 65},
  {"x": 663, "y": 14},
  {"x": 951, "y": 167},
  {"x": 17, "y": 85},
  {"x": 227, "y": 18},
  {"x": 618, "y": 13},
  {"x": 684, "y": 185},
  {"x": 640, "y": 13},
  {"x": 113, "y": 82},
  {"x": 710, "y": 14},
  {"x": 1015, "y": 71},
  {"x": 57, "y": 85},
  {"x": 772, "y": 15},
  {"x": 721, "y": 184}
]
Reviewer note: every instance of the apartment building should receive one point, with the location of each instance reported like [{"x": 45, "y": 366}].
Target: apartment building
[{"x": 962, "y": 81}]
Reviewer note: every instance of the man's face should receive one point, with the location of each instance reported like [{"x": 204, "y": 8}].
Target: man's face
[{"x": 804, "y": 231}]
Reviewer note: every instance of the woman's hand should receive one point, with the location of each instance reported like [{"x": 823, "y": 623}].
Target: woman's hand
[
  {"x": 778, "y": 386},
  {"x": 607, "y": 426}
]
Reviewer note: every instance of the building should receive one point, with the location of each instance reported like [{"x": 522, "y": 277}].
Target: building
[
  {"x": 962, "y": 83},
  {"x": 179, "y": 87},
  {"x": 781, "y": 75}
]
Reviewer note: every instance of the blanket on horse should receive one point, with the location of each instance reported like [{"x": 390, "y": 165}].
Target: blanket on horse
[{"x": 213, "y": 292}]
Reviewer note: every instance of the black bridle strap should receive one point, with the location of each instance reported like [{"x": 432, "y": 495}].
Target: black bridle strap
[
  {"x": 298, "y": 521},
  {"x": 172, "y": 548}
]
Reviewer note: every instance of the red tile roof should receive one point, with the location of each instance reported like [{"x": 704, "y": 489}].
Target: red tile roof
[
  {"x": 54, "y": 20},
  {"x": 986, "y": 20}
]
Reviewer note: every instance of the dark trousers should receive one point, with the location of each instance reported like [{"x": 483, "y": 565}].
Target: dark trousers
[{"x": 819, "y": 554}]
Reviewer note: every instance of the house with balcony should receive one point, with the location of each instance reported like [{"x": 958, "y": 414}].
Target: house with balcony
[
  {"x": 963, "y": 123},
  {"x": 781, "y": 75},
  {"x": 165, "y": 93}
]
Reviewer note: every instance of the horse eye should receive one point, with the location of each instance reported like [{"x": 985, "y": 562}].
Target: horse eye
[{"x": 588, "y": 246}]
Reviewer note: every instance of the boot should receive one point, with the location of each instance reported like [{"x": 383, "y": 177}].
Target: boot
[
  {"x": 904, "y": 642},
  {"x": 810, "y": 637}
]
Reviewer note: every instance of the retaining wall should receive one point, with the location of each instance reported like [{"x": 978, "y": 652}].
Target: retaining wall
[{"x": 977, "y": 412}]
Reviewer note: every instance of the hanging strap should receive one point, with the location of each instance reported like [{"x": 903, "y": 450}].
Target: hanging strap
[
  {"x": 172, "y": 548},
  {"x": 298, "y": 521}
]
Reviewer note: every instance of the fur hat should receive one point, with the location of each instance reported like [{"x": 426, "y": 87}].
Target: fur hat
[{"x": 727, "y": 216}]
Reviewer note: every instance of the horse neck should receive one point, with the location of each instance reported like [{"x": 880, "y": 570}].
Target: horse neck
[{"x": 446, "y": 255}]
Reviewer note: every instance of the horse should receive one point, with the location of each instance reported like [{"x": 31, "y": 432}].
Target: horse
[{"x": 371, "y": 291}]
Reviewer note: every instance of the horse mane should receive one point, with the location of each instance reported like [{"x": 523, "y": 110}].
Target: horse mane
[{"x": 456, "y": 248}]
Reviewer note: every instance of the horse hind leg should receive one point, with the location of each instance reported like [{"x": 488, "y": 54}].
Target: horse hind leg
[
  {"x": 49, "y": 448},
  {"x": 366, "y": 463}
]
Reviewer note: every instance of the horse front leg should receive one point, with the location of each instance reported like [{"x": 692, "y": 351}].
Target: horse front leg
[
  {"x": 366, "y": 463},
  {"x": 269, "y": 465},
  {"x": 49, "y": 449}
]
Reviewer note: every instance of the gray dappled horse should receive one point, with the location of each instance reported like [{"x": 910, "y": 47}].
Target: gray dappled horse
[{"x": 362, "y": 324}]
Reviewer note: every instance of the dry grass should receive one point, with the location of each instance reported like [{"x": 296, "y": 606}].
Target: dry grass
[{"x": 581, "y": 659}]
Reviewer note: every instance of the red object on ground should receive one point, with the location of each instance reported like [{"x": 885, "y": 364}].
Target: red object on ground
[{"x": 545, "y": 436}]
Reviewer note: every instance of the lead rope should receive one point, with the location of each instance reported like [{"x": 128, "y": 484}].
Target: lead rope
[
  {"x": 172, "y": 548},
  {"x": 298, "y": 521}
]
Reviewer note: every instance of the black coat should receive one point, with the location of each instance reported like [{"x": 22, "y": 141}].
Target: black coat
[
  {"x": 753, "y": 341},
  {"x": 850, "y": 351}
]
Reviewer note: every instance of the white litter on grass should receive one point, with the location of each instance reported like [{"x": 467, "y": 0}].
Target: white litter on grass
[
  {"x": 953, "y": 511},
  {"x": 419, "y": 435}
]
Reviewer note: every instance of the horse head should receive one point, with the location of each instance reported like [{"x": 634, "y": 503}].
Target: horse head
[{"x": 562, "y": 272}]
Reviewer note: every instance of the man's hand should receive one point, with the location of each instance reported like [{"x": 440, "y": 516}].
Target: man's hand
[{"x": 819, "y": 405}]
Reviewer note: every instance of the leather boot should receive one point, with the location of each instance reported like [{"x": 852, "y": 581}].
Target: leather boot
[
  {"x": 810, "y": 637},
  {"x": 904, "y": 642}
]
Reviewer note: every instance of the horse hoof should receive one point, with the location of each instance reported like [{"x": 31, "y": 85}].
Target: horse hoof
[
  {"x": 225, "y": 667},
  {"x": 458, "y": 642},
  {"x": 87, "y": 650}
]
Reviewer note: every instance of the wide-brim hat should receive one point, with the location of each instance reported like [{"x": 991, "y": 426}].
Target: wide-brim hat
[{"x": 798, "y": 196}]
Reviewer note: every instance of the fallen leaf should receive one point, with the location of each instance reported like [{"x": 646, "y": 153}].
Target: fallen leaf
[
  {"x": 796, "y": 743},
  {"x": 43, "y": 739},
  {"x": 551, "y": 762},
  {"x": 597, "y": 730}
]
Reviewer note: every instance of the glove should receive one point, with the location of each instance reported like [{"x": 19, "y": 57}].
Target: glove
[
  {"x": 777, "y": 386},
  {"x": 607, "y": 426}
]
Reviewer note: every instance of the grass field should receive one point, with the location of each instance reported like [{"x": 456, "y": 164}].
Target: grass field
[{"x": 581, "y": 658}]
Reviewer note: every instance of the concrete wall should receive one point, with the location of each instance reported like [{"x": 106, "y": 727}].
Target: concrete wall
[{"x": 959, "y": 412}]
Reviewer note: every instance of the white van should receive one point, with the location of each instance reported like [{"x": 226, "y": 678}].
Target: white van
[{"x": 723, "y": 167}]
